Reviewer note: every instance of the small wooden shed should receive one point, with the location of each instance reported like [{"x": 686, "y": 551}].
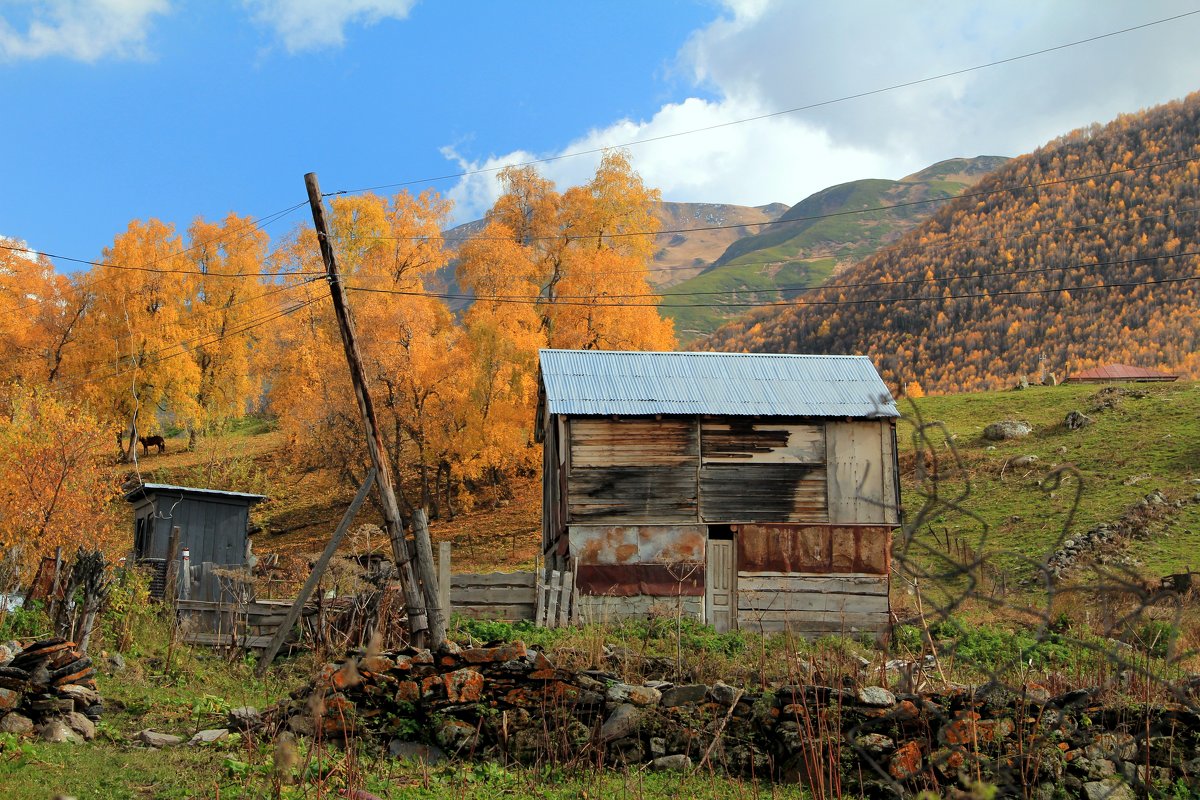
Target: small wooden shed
[
  {"x": 758, "y": 491},
  {"x": 213, "y": 525}
]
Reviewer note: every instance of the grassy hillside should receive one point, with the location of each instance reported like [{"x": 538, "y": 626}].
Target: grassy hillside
[
  {"x": 804, "y": 246},
  {"x": 1144, "y": 438}
]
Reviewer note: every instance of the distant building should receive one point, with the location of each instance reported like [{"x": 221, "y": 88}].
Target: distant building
[
  {"x": 1111, "y": 373},
  {"x": 757, "y": 491}
]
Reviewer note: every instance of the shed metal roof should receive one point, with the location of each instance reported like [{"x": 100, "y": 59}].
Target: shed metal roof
[
  {"x": 150, "y": 488},
  {"x": 600, "y": 382},
  {"x": 1122, "y": 372}
]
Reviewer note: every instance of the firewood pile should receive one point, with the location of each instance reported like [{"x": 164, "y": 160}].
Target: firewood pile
[{"x": 48, "y": 687}]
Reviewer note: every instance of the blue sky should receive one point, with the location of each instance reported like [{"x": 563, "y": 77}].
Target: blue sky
[{"x": 123, "y": 109}]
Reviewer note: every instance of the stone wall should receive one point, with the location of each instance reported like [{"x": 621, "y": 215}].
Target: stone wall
[{"x": 510, "y": 703}]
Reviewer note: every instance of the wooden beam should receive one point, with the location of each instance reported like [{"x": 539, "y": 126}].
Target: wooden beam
[{"x": 314, "y": 577}]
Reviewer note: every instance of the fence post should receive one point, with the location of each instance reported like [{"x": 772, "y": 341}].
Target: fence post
[{"x": 444, "y": 579}]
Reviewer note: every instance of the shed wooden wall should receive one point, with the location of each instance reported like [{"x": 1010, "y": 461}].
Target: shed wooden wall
[
  {"x": 726, "y": 470},
  {"x": 813, "y": 580}
]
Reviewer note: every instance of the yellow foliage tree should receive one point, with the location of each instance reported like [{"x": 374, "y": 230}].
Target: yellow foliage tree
[{"x": 55, "y": 489}]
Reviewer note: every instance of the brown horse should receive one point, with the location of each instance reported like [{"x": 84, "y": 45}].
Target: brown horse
[{"x": 153, "y": 441}]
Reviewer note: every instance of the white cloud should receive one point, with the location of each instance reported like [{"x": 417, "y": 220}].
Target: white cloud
[
  {"x": 84, "y": 30},
  {"x": 769, "y": 55},
  {"x": 316, "y": 24}
]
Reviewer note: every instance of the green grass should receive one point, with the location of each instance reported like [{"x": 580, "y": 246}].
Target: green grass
[{"x": 1129, "y": 451}]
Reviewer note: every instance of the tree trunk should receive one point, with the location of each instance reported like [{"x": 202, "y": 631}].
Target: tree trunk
[{"x": 131, "y": 453}]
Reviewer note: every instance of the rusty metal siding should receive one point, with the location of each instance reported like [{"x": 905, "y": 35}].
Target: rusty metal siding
[
  {"x": 632, "y": 560},
  {"x": 752, "y": 492},
  {"x": 817, "y": 549}
]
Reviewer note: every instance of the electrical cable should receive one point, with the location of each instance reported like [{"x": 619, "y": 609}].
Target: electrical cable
[{"x": 783, "y": 112}]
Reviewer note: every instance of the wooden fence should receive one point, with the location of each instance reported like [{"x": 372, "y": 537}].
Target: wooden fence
[
  {"x": 230, "y": 624},
  {"x": 545, "y": 597}
]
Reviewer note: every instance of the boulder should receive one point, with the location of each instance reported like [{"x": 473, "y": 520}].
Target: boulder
[
  {"x": 876, "y": 696},
  {"x": 1007, "y": 429},
  {"x": 244, "y": 718},
  {"x": 81, "y": 725},
  {"x": 684, "y": 695},
  {"x": 17, "y": 724},
  {"x": 675, "y": 763},
  {"x": 1024, "y": 461},
  {"x": 209, "y": 736},
  {"x": 1076, "y": 420},
  {"x": 58, "y": 732},
  {"x": 1108, "y": 789},
  {"x": 158, "y": 740},
  {"x": 623, "y": 721},
  {"x": 416, "y": 751},
  {"x": 637, "y": 695}
]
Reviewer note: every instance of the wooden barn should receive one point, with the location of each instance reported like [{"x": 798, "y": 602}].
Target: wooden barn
[
  {"x": 213, "y": 526},
  {"x": 758, "y": 491}
]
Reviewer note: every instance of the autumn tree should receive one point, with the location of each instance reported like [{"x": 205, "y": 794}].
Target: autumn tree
[
  {"x": 225, "y": 318},
  {"x": 387, "y": 250},
  {"x": 40, "y": 313},
  {"x": 55, "y": 489},
  {"x": 135, "y": 338}
]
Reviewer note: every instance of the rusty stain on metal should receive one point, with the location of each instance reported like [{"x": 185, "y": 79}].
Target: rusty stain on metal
[{"x": 819, "y": 549}]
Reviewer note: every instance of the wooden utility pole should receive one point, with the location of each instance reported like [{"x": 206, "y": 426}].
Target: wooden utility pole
[{"x": 423, "y": 621}]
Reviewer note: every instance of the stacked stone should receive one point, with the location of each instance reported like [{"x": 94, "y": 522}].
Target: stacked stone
[
  {"x": 510, "y": 703},
  {"x": 49, "y": 688}
]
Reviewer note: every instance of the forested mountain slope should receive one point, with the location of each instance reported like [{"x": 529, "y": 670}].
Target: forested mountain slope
[
  {"x": 817, "y": 238},
  {"x": 1084, "y": 252}
]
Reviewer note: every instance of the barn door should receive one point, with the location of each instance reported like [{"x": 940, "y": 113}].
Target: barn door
[{"x": 720, "y": 600}]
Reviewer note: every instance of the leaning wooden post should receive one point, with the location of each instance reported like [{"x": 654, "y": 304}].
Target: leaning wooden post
[
  {"x": 171, "y": 577},
  {"x": 444, "y": 578},
  {"x": 427, "y": 571},
  {"x": 420, "y": 622},
  {"x": 314, "y": 577}
]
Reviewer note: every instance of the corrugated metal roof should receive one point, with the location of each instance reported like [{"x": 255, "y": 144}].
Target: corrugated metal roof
[
  {"x": 600, "y": 382},
  {"x": 1123, "y": 372},
  {"x": 167, "y": 487}
]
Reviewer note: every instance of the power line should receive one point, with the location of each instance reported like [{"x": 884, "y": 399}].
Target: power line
[
  {"x": 249, "y": 228},
  {"x": 242, "y": 232},
  {"x": 599, "y": 303},
  {"x": 783, "y": 112},
  {"x": 215, "y": 309},
  {"x": 813, "y": 217},
  {"x": 195, "y": 343}
]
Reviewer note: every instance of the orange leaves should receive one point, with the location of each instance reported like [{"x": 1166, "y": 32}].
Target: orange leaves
[{"x": 54, "y": 487}]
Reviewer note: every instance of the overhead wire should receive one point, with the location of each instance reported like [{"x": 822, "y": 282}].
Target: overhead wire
[
  {"x": 597, "y": 301},
  {"x": 812, "y": 217},
  {"x": 782, "y": 112},
  {"x": 187, "y": 345}
]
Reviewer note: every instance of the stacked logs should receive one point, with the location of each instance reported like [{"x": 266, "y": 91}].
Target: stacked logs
[{"x": 49, "y": 687}]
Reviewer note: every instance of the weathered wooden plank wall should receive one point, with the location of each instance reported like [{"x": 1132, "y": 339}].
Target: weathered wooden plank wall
[
  {"x": 861, "y": 480},
  {"x": 496, "y": 595}
]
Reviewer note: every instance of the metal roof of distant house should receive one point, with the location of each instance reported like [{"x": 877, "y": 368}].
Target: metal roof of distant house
[
  {"x": 600, "y": 382},
  {"x": 151, "y": 488},
  {"x": 1122, "y": 372}
]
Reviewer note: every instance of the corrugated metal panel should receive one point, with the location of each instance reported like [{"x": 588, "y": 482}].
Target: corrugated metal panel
[
  {"x": 147, "y": 488},
  {"x": 1123, "y": 372},
  {"x": 598, "y": 382}
]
